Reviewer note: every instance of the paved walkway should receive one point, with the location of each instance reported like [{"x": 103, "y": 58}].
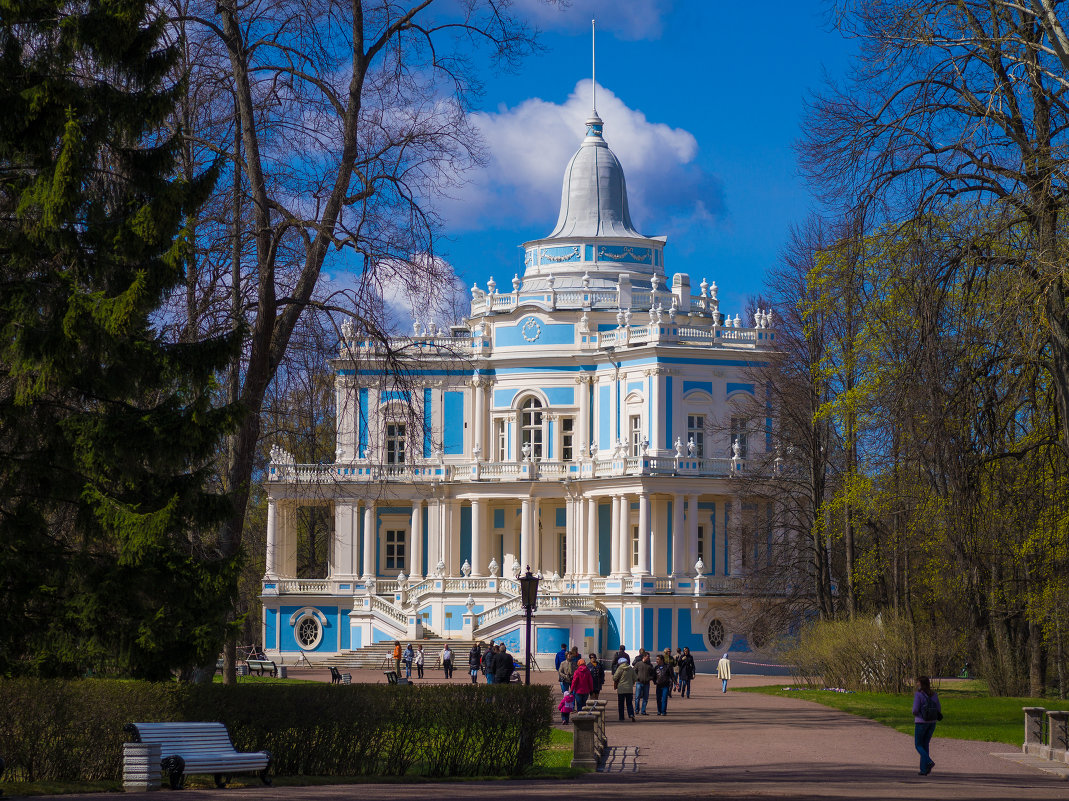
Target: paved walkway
[{"x": 733, "y": 746}]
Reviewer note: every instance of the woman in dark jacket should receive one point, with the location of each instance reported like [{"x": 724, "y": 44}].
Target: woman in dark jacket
[
  {"x": 926, "y": 712},
  {"x": 475, "y": 660},
  {"x": 597, "y": 673}
]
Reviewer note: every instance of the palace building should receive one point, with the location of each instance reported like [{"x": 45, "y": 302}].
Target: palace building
[{"x": 592, "y": 420}]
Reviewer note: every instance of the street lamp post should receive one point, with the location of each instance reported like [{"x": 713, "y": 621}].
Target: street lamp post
[{"x": 529, "y": 600}]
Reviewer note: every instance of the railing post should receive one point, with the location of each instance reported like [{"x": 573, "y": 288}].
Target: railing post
[
  {"x": 1057, "y": 735},
  {"x": 1033, "y": 730}
]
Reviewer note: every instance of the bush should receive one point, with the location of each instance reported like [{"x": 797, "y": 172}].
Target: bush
[
  {"x": 53, "y": 730},
  {"x": 866, "y": 653}
]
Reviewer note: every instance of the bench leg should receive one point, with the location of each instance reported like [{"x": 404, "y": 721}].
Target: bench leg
[
  {"x": 175, "y": 767},
  {"x": 221, "y": 781},
  {"x": 265, "y": 774}
]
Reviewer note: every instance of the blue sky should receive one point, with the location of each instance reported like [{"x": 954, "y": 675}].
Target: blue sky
[{"x": 702, "y": 103}]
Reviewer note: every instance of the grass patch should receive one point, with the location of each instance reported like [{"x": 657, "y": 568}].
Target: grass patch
[{"x": 969, "y": 713}]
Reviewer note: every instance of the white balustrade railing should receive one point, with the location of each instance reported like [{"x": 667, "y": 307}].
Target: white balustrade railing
[
  {"x": 597, "y": 585},
  {"x": 306, "y": 585},
  {"x": 388, "y": 609},
  {"x": 662, "y": 585}
]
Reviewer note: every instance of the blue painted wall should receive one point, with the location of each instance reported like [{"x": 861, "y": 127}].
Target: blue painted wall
[
  {"x": 613, "y": 620},
  {"x": 357, "y": 639},
  {"x": 512, "y": 643},
  {"x": 604, "y": 539},
  {"x": 453, "y": 422},
  {"x": 561, "y": 516},
  {"x": 363, "y": 423},
  {"x": 669, "y": 442},
  {"x": 329, "y": 640},
  {"x": 559, "y": 396},
  {"x": 548, "y": 639},
  {"x": 454, "y": 616},
  {"x": 647, "y": 628},
  {"x": 378, "y": 635},
  {"x": 499, "y": 518},
  {"x": 428, "y": 395},
  {"x": 271, "y": 628},
  {"x": 740, "y": 388},
  {"x": 465, "y": 534},
  {"x": 704, "y": 386},
  {"x": 343, "y": 628},
  {"x": 549, "y": 334},
  {"x": 664, "y": 629},
  {"x": 687, "y": 637}
]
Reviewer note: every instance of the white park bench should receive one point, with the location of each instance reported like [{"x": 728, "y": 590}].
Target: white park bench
[{"x": 199, "y": 748}]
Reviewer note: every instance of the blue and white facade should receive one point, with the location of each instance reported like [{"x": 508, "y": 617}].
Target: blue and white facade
[{"x": 591, "y": 419}]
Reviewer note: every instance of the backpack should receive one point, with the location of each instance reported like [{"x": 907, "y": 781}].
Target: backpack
[{"x": 930, "y": 711}]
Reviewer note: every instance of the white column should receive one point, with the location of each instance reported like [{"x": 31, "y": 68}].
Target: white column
[
  {"x": 692, "y": 535},
  {"x": 614, "y": 537},
  {"x": 659, "y": 565},
  {"x": 624, "y": 535},
  {"x": 591, "y": 566},
  {"x": 415, "y": 548},
  {"x": 644, "y": 535},
  {"x": 370, "y": 567},
  {"x": 286, "y": 560},
  {"x": 272, "y": 539},
  {"x": 343, "y": 551},
  {"x": 735, "y": 540},
  {"x": 525, "y": 535},
  {"x": 537, "y": 535},
  {"x": 452, "y": 539},
  {"x": 478, "y": 534},
  {"x": 434, "y": 537},
  {"x": 679, "y": 538},
  {"x": 479, "y": 427}
]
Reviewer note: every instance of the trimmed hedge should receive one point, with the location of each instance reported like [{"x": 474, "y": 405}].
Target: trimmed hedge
[{"x": 54, "y": 730}]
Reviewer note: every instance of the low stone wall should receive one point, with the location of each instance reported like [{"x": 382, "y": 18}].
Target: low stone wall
[{"x": 1046, "y": 733}]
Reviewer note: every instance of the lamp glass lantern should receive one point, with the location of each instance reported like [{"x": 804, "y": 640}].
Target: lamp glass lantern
[{"x": 529, "y": 590}]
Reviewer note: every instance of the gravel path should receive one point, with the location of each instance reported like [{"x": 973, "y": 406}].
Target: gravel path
[{"x": 733, "y": 746}]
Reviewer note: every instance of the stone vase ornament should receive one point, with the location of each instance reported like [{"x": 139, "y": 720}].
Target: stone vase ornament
[
  {"x": 465, "y": 569},
  {"x": 494, "y": 567}
]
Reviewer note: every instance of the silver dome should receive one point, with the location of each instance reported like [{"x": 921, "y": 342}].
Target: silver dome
[{"x": 594, "y": 196}]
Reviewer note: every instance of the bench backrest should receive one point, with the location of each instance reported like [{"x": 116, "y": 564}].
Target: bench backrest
[
  {"x": 178, "y": 738},
  {"x": 260, "y": 664},
  {"x": 391, "y": 677}
]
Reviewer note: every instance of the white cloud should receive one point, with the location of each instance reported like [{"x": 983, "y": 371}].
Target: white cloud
[
  {"x": 633, "y": 19},
  {"x": 530, "y": 145}
]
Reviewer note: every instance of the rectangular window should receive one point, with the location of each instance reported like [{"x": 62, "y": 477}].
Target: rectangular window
[
  {"x": 395, "y": 443},
  {"x": 567, "y": 434},
  {"x": 696, "y": 434},
  {"x": 502, "y": 441},
  {"x": 738, "y": 434},
  {"x": 563, "y": 553},
  {"x": 634, "y": 546},
  {"x": 636, "y": 435},
  {"x": 395, "y": 550},
  {"x": 701, "y": 543}
]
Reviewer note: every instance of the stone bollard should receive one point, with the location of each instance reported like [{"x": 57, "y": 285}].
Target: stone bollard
[
  {"x": 1057, "y": 736},
  {"x": 1033, "y": 730},
  {"x": 601, "y": 708},
  {"x": 584, "y": 754},
  {"x": 140, "y": 767}
]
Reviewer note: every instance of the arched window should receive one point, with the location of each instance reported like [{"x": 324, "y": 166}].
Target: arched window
[{"x": 531, "y": 426}]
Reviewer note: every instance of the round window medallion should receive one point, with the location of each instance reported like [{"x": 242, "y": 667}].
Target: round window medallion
[
  {"x": 531, "y": 329},
  {"x": 716, "y": 633},
  {"x": 308, "y": 632}
]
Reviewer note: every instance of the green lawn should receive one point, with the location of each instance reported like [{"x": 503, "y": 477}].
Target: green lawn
[{"x": 969, "y": 713}]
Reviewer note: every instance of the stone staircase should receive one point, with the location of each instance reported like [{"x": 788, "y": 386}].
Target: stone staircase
[{"x": 379, "y": 656}]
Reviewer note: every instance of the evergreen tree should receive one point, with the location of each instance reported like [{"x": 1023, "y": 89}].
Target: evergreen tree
[{"x": 106, "y": 428}]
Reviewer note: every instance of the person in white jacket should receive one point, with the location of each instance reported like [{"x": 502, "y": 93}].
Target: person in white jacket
[{"x": 723, "y": 672}]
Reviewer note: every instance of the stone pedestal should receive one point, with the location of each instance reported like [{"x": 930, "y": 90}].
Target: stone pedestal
[
  {"x": 1033, "y": 730},
  {"x": 140, "y": 767},
  {"x": 1057, "y": 735},
  {"x": 583, "y": 753}
]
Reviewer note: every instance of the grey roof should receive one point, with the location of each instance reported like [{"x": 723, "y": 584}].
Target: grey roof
[{"x": 594, "y": 196}]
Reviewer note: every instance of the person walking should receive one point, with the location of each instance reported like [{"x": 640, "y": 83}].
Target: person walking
[
  {"x": 644, "y": 674},
  {"x": 565, "y": 671},
  {"x": 723, "y": 672},
  {"x": 475, "y": 660},
  {"x": 408, "y": 657},
  {"x": 566, "y": 706},
  {"x": 582, "y": 684},
  {"x": 623, "y": 679},
  {"x": 420, "y": 656},
  {"x": 488, "y": 663},
  {"x": 927, "y": 711},
  {"x": 620, "y": 654},
  {"x": 397, "y": 657},
  {"x": 663, "y": 678},
  {"x": 447, "y": 661},
  {"x": 562, "y": 654},
  {"x": 503, "y": 665},
  {"x": 671, "y": 662},
  {"x": 597, "y": 673},
  {"x": 686, "y": 673}
]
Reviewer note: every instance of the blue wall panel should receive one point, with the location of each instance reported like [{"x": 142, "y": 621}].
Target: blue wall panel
[
  {"x": 503, "y": 398},
  {"x": 453, "y": 423},
  {"x": 647, "y": 628},
  {"x": 363, "y": 423},
  {"x": 512, "y": 643},
  {"x": 548, "y": 639},
  {"x": 613, "y": 621},
  {"x": 740, "y": 388},
  {"x": 688, "y": 638},
  {"x": 343, "y": 629},
  {"x": 604, "y": 539},
  {"x": 668, "y": 441},
  {"x": 357, "y": 639},
  {"x": 428, "y": 395},
  {"x": 664, "y": 629},
  {"x": 329, "y": 640},
  {"x": 377, "y": 635},
  {"x": 465, "y": 534},
  {"x": 704, "y": 386},
  {"x": 271, "y": 628},
  {"x": 559, "y": 396},
  {"x": 538, "y": 333},
  {"x": 561, "y": 518},
  {"x": 499, "y": 518}
]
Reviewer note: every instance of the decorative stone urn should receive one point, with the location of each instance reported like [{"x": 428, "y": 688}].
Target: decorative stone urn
[
  {"x": 465, "y": 569},
  {"x": 494, "y": 567}
]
